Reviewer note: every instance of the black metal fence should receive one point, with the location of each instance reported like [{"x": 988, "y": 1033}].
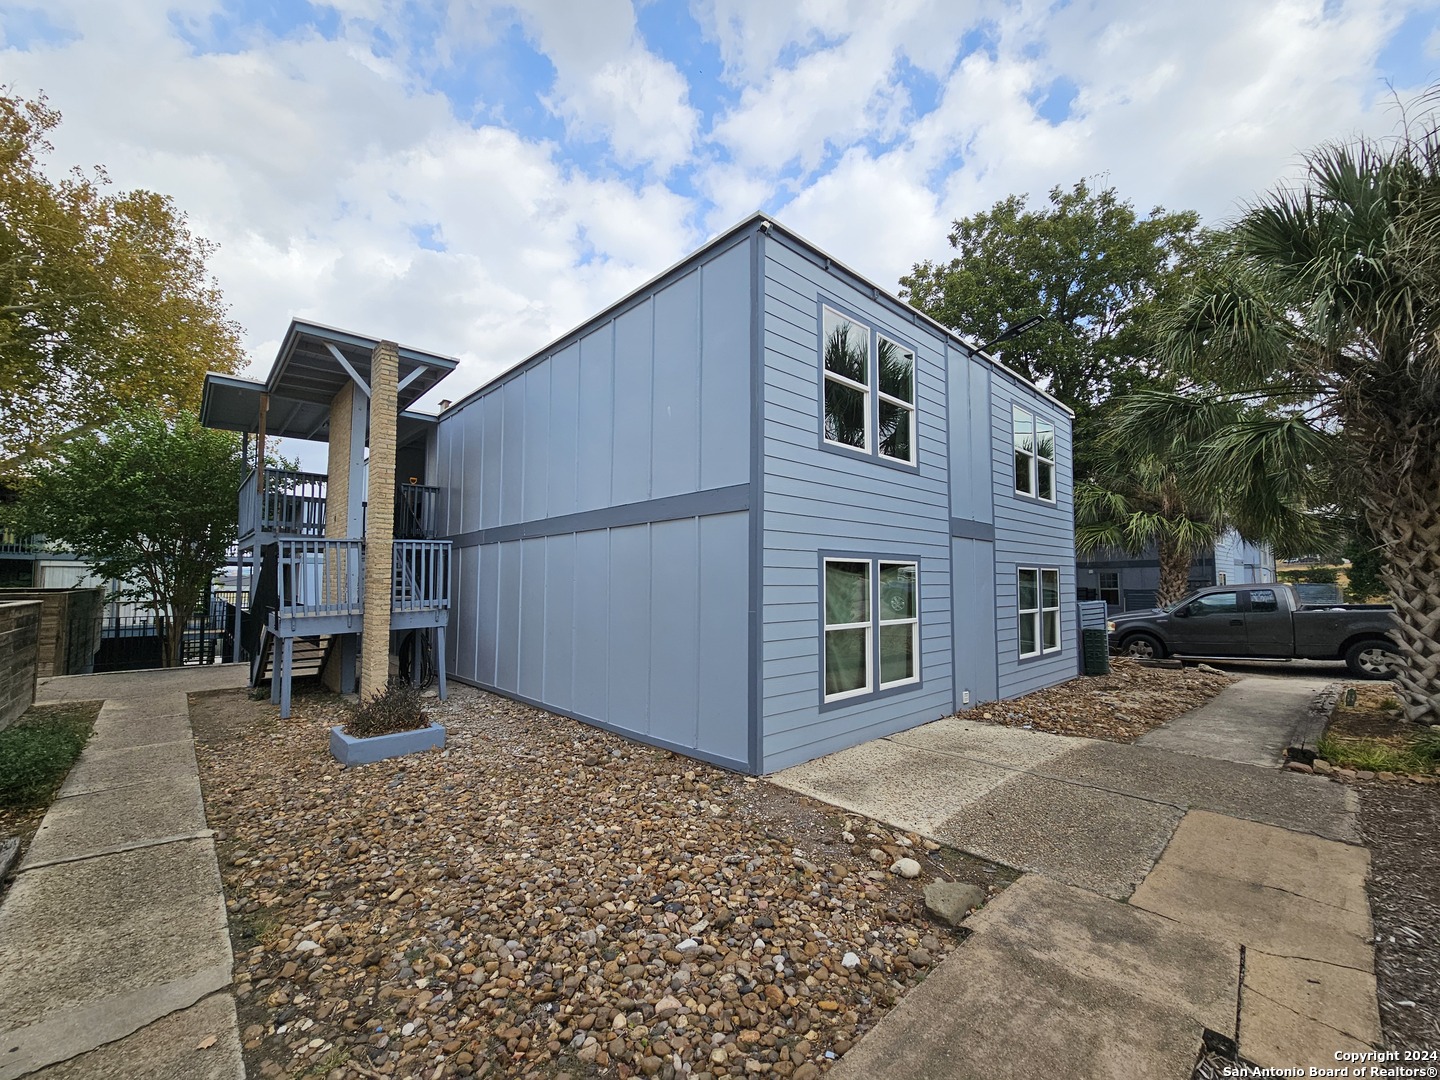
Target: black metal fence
[{"x": 131, "y": 642}]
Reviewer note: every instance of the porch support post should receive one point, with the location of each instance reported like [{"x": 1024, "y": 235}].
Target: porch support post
[
  {"x": 440, "y": 661},
  {"x": 380, "y": 520},
  {"x": 289, "y": 665},
  {"x": 239, "y": 601}
]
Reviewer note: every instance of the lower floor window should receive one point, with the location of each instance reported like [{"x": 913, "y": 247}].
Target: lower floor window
[
  {"x": 872, "y": 625},
  {"x": 1039, "y": 611}
]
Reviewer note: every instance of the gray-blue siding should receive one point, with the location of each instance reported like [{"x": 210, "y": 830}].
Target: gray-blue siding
[
  {"x": 817, "y": 500},
  {"x": 641, "y": 627},
  {"x": 1030, "y": 533}
]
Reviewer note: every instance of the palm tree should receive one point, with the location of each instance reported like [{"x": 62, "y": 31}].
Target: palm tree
[{"x": 1321, "y": 312}]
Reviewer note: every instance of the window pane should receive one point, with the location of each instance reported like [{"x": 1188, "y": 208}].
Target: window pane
[
  {"x": 1027, "y": 634},
  {"x": 897, "y": 591},
  {"x": 1045, "y": 439},
  {"x": 1045, "y": 485},
  {"x": 897, "y": 652},
  {"x": 847, "y": 593},
  {"x": 897, "y": 371},
  {"x": 1263, "y": 600},
  {"x": 847, "y": 348},
  {"x": 1022, "y": 472},
  {"x": 844, "y": 414},
  {"x": 1051, "y": 581},
  {"x": 1029, "y": 590},
  {"x": 895, "y": 424},
  {"x": 1215, "y": 604},
  {"x": 845, "y": 660},
  {"x": 1052, "y": 629},
  {"x": 1024, "y": 432}
]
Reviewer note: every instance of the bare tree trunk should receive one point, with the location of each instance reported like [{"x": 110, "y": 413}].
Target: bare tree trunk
[
  {"x": 1409, "y": 530},
  {"x": 1174, "y": 572}
]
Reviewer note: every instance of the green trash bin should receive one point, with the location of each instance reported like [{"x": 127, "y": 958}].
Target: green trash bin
[{"x": 1096, "y": 651}]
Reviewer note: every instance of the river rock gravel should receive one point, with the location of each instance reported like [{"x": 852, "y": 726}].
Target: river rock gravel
[
  {"x": 545, "y": 899},
  {"x": 1120, "y": 707}
]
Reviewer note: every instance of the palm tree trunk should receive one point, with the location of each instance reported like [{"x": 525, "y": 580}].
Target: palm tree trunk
[
  {"x": 1409, "y": 530},
  {"x": 1174, "y": 572}
]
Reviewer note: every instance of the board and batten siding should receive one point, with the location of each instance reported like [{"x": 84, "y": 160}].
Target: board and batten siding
[
  {"x": 972, "y": 509},
  {"x": 579, "y": 584},
  {"x": 1030, "y": 532},
  {"x": 820, "y": 500}
]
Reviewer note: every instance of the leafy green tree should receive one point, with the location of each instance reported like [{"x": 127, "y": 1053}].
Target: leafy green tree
[
  {"x": 149, "y": 501},
  {"x": 1088, "y": 262},
  {"x": 1322, "y": 309},
  {"x": 105, "y": 300}
]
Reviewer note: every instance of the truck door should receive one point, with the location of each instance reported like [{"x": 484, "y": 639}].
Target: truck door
[
  {"x": 1211, "y": 625},
  {"x": 1268, "y": 629}
]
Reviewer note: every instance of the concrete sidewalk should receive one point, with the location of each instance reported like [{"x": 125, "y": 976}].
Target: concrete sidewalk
[
  {"x": 114, "y": 947},
  {"x": 1250, "y": 722},
  {"x": 1058, "y": 978}
]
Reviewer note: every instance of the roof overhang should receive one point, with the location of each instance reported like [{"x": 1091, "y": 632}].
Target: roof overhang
[{"x": 313, "y": 365}]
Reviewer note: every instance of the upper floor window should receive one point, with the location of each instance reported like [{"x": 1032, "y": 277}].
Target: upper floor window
[
  {"x": 1034, "y": 455},
  {"x": 869, "y": 392}
]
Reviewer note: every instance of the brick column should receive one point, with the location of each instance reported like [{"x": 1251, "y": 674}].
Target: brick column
[
  {"x": 337, "y": 465},
  {"x": 379, "y": 519}
]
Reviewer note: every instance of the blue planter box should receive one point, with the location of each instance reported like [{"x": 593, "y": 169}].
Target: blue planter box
[{"x": 349, "y": 750}]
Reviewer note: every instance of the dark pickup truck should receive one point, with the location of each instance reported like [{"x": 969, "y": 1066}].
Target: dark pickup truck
[{"x": 1262, "y": 622}]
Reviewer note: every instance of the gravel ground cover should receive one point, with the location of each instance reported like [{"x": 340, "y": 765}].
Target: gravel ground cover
[
  {"x": 546, "y": 899},
  {"x": 1120, "y": 707}
]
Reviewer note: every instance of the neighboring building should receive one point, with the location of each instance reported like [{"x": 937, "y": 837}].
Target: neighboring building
[
  {"x": 1129, "y": 582},
  {"x": 758, "y": 511}
]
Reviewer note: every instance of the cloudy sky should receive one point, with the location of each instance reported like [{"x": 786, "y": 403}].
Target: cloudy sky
[{"x": 478, "y": 178}]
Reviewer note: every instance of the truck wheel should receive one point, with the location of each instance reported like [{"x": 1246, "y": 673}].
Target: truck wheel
[
  {"x": 1143, "y": 647},
  {"x": 1371, "y": 659}
]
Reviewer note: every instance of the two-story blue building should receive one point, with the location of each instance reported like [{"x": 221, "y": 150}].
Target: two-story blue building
[{"x": 758, "y": 511}]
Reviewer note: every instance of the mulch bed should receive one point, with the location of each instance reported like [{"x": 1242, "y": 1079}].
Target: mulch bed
[
  {"x": 546, "y": 899},
  {"x": 1400, "y": 824},
  {"x": 1120, "y": 707}
]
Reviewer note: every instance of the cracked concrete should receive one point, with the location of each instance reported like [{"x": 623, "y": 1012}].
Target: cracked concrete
[
  {"x": 1215, "y": 855},
  {"x": 114, "y": 946}
]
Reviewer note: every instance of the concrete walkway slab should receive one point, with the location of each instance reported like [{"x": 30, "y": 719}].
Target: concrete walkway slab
[
  {"x": 1284, "y": 893},
  {"x": 1339, "y": 998},
  {"x": 1250, "y": 722},
  {"x": 100, "y": 821},
  {"x": 1056, "y": 981},
  {"x": 1289, "y": 800},
  {"x": 101, "y": 770},
  {"x": 912, "y": 788},
  {"x": 130, "y": 729},
  {"x": 1080, "y": 835},
  {"x": 168, "y": 1049},
  {"x": 1010, "y": 748}
]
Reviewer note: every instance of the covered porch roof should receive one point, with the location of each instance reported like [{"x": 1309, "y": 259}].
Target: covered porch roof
[{"x": 313, "y": 365}]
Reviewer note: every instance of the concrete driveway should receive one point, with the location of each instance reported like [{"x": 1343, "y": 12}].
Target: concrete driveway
[{"x": 1173, "y": 889}]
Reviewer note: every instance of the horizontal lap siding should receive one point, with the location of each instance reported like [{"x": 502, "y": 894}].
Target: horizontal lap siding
[
  {"x": 1031, "y": 533},
  {"x": 642, "y": 628},
  {"x": 816, "y": 500}
]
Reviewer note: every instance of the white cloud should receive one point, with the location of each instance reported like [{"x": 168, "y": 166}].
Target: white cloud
[{"x": 609, "y": 86}]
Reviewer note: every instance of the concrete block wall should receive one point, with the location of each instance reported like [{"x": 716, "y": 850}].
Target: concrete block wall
[{"x": 19, "y": 653}]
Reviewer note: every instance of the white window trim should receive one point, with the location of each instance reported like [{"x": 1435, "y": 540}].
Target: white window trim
[
  {"x": 871, "y": 447},
  {"x": 913, "y": 621},
  {"x": 1037, "y": 613},
  {"x": 1059, "y": 625},
  {"x": 1035, "y": 422},
  {"x": 867, "y": 626},
  {"x": 901, "y": 402},
  {"x": 831, "y": 376}
]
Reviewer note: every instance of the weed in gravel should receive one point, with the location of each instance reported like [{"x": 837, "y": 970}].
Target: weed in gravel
[
  {"x": 396, "y": 708},
  {"x": 37, "y": 752},
  {"x": 1422, "y": 755}
]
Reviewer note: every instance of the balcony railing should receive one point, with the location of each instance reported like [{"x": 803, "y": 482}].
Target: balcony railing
[
  {"x": 320, "y": 577},
  {"x": 421, "y": 575},
  {"x": 292, "y": 504},
  {"x": 11, "y": 544},
  {"x": 415, "y": 511}
]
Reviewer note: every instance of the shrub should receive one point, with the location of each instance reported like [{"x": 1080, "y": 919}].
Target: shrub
[
  {"x": 396, "y": 708},
  {"x": 35, "y": 755}
]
